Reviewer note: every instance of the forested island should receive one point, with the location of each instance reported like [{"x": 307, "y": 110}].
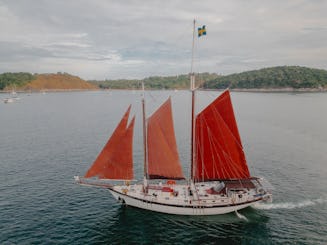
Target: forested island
[
  {"x": 18, "y": 79},
  {"x": 273, "y": 78},
  {"x": 22, "y": 81},
  {"x": 295, "y": 77},
  {"x": 156, "y": 82}
]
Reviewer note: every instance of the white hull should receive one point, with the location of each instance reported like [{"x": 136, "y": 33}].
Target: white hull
[
  {"x": 158, "y": 201},
  {"x": 8, "y": 100}
]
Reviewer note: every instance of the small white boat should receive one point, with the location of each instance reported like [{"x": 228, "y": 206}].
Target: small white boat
[
  {"x": 8, "y": 100},
  {"x": 13, "y": 97}
]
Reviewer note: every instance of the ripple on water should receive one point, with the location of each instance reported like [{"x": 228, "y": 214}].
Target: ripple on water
[{"x": 49, "y": 139}]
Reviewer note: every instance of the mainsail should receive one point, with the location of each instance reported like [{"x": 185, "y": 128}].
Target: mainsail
[
  {"x": 115, "y": 161},
  {"x": 162, "y": 155},
  {"x": 218, "y": 148}
]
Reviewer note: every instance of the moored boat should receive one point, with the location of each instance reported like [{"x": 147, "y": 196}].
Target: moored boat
[{"x": 8, "y": 100}]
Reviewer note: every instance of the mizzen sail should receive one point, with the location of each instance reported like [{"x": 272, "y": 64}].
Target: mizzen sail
[
  {"x": 218, "y": 148},
  {"x": 115, "y": 161},
  {"x": 163, "y": 159}
]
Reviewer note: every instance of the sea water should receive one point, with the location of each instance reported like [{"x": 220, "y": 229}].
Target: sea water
[{"x": 46, "y": 139}]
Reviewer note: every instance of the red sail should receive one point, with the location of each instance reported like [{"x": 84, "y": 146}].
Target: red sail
[
  {"x": 115, "y": 161},
  {"x": 163, "y": 159},
  {"x": 223, "y": 105},
  {"x": 219, "y": 152}
]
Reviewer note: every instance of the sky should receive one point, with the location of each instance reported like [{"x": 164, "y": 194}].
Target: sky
[{"x": 107, "y": 39}]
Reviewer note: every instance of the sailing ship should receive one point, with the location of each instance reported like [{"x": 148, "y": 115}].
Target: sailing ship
[{"x": 219, "y": 181}]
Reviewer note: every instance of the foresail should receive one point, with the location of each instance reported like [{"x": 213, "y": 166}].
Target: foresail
[
  {"x": 115, "y": 161},
  {"x": 219, "y": 152},
  {"x": 163, "y": 159}
]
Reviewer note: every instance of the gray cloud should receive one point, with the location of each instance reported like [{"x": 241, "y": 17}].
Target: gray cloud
[{"x": 134, "y": 39}]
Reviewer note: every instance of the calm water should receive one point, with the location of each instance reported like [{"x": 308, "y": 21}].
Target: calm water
[{"x": 47, "y": 139}]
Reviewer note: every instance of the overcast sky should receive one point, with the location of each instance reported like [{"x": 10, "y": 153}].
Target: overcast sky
[{"x": 99, "y": 39}]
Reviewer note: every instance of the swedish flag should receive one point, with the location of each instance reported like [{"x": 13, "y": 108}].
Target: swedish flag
[{"x": 202, "y": 31}]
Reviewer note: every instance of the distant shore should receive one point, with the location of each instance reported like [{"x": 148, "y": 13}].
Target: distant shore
[
  {"x": 48, "y": 90},
  {"x": 279, "y": 90},
  {"x": 266, "y": 80},
  {"x": 256, "y": 90}
]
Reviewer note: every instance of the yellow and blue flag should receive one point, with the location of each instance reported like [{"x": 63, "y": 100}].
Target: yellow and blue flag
[{"x": 202, "y": 31}]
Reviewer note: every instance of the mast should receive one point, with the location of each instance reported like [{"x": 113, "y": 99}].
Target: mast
[
  {"x": 144, "y": 136},
  {"x": 192, "y": 88},
  {"x": 192, "y": 61}
]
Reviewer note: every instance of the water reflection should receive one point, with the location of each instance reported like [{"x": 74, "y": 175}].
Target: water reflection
[{"x": 135, "y": 226}]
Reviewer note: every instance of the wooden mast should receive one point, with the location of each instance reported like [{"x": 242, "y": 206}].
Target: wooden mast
[
  {"x": 144, "y": 139},
  {"x": 192, "y": 88}
]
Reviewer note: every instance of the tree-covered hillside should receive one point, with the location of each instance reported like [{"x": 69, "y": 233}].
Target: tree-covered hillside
[
  {"x": 13, "y": 80},
  {"x": 59, "y": 81},
  {"x": 28, "y": 82},
  {"x": 274, "y": 77},
  {"x": 268, "y": 78},
  {"x": 155, "y": 82}
]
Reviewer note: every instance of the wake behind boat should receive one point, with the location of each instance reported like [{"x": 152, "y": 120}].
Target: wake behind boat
[{"x": 219, "y": 182}]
